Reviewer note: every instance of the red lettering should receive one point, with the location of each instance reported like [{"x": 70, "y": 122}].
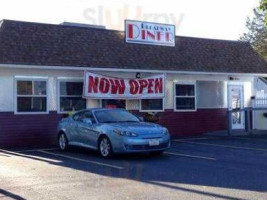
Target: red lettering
[
  {"x": 151, "y": 35},
  {"x": 143, "y": 34},
  {"x": 158, "y": 85},
  {"x": 143, "y": 84},
  {"x": 117, "y": 86},
  {"x": 167, "y": 36},
  {"x": 93, "y": 84},
  {"x": 134, "y": 86},
  {"x": 150, "y": 85},
  {"x": 133, "y": 31},
  {"x": 130, "y": 31},
  {"x": 104, "y": 85},
  {"x": 159, "y": 36}
]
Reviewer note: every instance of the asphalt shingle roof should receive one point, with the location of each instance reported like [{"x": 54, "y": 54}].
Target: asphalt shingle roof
[{"x": 57, "y": 45}]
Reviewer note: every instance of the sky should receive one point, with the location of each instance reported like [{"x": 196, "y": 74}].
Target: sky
[{"x": 195, "y": 18}]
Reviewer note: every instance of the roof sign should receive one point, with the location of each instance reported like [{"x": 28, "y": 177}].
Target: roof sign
[{"x": 139, "y": 32}]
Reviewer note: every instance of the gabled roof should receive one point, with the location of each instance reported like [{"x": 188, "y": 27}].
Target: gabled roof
[{"x": 58, "y": 45}]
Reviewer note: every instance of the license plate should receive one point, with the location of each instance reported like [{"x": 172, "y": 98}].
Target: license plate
[{"x": 153, "y": 142}]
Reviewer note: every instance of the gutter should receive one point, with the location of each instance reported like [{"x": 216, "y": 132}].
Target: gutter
[
  {"x": 125, "y": 70},
  {"x": 263, "y": 79}
]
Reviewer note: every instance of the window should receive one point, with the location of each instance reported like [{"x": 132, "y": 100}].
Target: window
[
  {"x": 151, "y": 105},
  {"x": 113, "y": 103},
  {"x": 70, "y": 96},
  {"x": 113, "y": 116},
  {"x": 84, "y": 115},
  {"x": 89, "y": 115},
  {"x": 31, "y": 96},
  {"x": 184, "y": 98},
  {"x": 77, "y": 116}
]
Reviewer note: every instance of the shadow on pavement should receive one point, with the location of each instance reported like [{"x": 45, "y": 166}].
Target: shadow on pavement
[
  {"x": 10, "y": 195},
  {"x": 166, "y": 171}
]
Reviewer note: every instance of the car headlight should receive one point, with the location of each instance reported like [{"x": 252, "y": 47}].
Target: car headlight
[
  {"x": 165, "y": 131},
  {"x": 125, "y": 133}
]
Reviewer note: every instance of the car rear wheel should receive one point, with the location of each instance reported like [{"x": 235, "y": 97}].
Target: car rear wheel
[
  {"x": 105, "y": 148},
  {"x": 62, "y": 142}
]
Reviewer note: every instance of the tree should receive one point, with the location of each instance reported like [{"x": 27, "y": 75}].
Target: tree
[
  {"x": 257, "y": 32},
  {"x": 263, "y": 7}
]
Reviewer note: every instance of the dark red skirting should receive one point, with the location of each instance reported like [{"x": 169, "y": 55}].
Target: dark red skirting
[
  {"x": 32, "y": 130},
  {"x": 193, "y": 123},
  {"x": 28, "y": 130}
]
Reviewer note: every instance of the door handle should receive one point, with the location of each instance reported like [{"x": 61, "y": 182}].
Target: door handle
[{"x": 85, "y": 127}]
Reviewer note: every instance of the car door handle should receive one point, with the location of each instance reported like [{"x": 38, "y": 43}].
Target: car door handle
[{"x": 85, "y": 127}]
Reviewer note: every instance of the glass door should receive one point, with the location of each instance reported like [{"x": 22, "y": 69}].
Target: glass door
[{"x": 236, "y": 101}]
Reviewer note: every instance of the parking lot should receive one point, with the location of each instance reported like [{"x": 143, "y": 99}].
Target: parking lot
[{"x": 195, "y": 168}]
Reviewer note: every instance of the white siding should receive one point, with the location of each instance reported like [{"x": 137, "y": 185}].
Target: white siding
[
  {"x": 6, "y": 93},
  {"x": 7, "y": 86},
  {"x": 260, "y": 122}
]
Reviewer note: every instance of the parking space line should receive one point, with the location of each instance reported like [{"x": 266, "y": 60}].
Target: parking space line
[
  {"x": 223, "y": 146},
  {"x": 5, "y": 155},
  {"x": 201, "y": 138},
  {"x": 83, "y": 160},
  {"x": 33, "y": 150},
  {"x": 190, "y": 156},
  {"x": 252, "y": 139},
  {"x": 14, "y": 153}
]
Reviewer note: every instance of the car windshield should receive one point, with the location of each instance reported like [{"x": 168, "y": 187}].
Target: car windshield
[{"x": 114, "y": 116}]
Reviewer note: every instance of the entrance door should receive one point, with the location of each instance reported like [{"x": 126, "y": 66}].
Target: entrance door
[{"x": 235, "y": 101}]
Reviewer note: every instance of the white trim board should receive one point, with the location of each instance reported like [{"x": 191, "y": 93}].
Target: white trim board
[
  {"x": 141, "y": 110},
  {"x": 175, "y": 96},
  {"x": 15, "y": 95},
  {"x": 58, "y": 96},
  {"x": 101, "y": 103},
  {"x": 116, "y": 69}
]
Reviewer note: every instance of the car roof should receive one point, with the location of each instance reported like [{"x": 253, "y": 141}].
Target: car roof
[{"x": 99, "y": 109}]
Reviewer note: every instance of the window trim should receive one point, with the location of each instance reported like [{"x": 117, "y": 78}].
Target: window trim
[
  {"x": 126, "y": 103},
  {"x": 29, "y": 78},
  {"x": 84, "y": 111},
  {"x": 162, "y": 110},
  {"x": 66, "y": 79},
  {"x": 175, "y": 96}
]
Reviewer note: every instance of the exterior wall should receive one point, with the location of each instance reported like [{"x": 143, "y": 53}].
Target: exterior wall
[
  {"x": 260, "y": 122},
  {"x": 217, "y": 87},
  {"x": 193, "y": 123},
  {"x": 7, "y": 77},
  {"x": 28, "y": 130},
  {"x": 211, "y": 113}
]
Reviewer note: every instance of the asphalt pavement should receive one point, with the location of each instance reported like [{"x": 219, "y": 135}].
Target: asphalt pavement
[{"x": 194, "y": 168}]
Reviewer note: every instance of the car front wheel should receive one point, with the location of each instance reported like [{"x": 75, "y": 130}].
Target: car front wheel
[
  {"x": 62, "y": 142},
  {"x": 105, "y": 147}
]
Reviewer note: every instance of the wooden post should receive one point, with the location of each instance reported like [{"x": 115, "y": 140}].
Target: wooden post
[
  {"x": 248, "y": 121},
  {"x": 253, "y": 104},
  {"x": 229, "y": 123}
]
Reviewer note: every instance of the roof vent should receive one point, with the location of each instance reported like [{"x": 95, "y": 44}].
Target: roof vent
[{"x": 82, "y": 25}]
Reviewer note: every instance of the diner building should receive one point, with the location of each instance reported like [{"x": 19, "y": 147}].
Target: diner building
[{"x": 44, "y": 69}]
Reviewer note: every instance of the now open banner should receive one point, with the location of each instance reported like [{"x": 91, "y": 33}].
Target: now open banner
[{"x": 105, "y": 87}]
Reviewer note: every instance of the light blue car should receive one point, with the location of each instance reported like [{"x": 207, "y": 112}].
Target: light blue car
[{"x": 112, "y": 131}]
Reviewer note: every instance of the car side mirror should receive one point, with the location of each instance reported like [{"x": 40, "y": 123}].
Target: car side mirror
[
  {"x": 87, "y": 121},
  {"x": 141, "y": 119}
]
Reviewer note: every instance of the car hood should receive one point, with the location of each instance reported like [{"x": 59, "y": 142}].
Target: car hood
[{"x": 142, "y": 128}]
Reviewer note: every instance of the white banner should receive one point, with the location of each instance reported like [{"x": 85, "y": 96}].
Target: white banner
[{"x": 104, "y": 87}]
